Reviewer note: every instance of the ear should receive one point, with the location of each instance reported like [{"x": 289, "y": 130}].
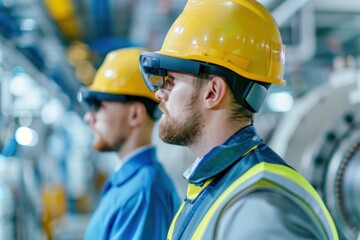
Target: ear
[
  {"x": 215, "y": 92},
  {"x": 137, "y": 114}
]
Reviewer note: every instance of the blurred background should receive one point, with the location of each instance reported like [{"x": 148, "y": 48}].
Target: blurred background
[{"x": 50, "y": 178}]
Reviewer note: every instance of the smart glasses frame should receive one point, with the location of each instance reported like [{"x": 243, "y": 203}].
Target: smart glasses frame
[{"x": 154, "y": 68}]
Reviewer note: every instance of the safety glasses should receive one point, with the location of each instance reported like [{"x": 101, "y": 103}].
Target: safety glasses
[
  {"x": 154, "y": 68},
  {"x": 94, "y": 104}
]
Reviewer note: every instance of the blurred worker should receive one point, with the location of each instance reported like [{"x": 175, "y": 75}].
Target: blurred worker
[
  {"x": 139, "y": 200},
  {"x": 212, "y": 74}
]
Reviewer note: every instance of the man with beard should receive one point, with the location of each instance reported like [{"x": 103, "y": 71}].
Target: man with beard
[
  {"x": 212, "y": 74},
  {"x": 139, "y": 200}
]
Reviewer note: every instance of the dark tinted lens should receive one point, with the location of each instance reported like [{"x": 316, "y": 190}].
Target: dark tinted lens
[{"x": 94, "y": 104}]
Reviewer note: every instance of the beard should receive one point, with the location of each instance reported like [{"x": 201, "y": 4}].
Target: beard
[
  {"x": 184, "y": 131},
  {"x": 101, "y": 145}
]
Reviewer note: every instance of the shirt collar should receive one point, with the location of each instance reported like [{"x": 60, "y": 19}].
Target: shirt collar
[
  {"x": 145, "y": 155},
  {"x": 223, "y": 156},
  {"x": 192, "y": 168},
  {"x": 130, "y": 155}
]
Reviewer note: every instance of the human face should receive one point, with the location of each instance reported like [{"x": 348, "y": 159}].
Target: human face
[
  {"x": 182, "y": 120},
  {"x": 109, "y": 124}
]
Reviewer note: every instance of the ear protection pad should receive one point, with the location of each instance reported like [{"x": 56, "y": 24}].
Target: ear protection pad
[
  {"x": 254, "y": 96},
  {"x": 250, "y": 93}
]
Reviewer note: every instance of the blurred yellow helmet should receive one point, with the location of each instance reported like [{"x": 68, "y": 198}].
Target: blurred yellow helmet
[
  {"x": 119, "y": 74},
  {"x": 119, "y": 80},
  {"x": 236, "y": 39}
]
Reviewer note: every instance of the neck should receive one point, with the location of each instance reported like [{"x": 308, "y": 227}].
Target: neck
[
  {"x": 212, "y": 136},
  {"x": 139, "y": 137}
]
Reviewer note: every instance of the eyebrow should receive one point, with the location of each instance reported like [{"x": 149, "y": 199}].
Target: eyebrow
[
  {"x": 176, "y": 75},
  {"x": 171, "y": 76},
  {"x": 172, "y": 73}
]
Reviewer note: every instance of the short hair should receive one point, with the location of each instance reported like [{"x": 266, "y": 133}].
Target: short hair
[{"x": 238, "y": 112}]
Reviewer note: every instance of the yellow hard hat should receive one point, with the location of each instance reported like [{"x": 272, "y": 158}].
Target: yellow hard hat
[
  {"x": 236, "y": 39},
  {"x": 119, "y": 74},
  {"x": 240, "y": 35},
  {"x": 119, "y": 80}
]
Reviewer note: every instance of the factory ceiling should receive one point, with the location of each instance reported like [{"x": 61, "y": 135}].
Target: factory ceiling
[{"x": 54, "y": 36}]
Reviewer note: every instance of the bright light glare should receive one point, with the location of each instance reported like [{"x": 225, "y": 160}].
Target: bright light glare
[
  {"x": 52, "y": 111},
  {"x": 21, "y": 84},
  {"x": 280, "y": 102},
  {"x": 26, "y": 136},
  {"x": 28, "y": 24},
  {"x": 110, "y": 73}
]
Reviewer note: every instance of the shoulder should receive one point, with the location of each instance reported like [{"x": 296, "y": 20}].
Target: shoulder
[{"x": 265, "y": 215}]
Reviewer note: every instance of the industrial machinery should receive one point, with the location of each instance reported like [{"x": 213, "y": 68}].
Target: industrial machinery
[{"x": 320, "y": 137}]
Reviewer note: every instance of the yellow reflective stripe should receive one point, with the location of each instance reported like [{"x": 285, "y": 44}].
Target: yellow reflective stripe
[
  {"x": 251, "y": 149},
  {"x": 193, "y": 190},
  {"x": 296, "y": 177},
  {"x": 191, "y": 194},
  {"x": 266, "y": 183},
  {"x": 199, "y": 232},
  {"x": 274, "y": 168},
  {"x": 171, "y": 229}
]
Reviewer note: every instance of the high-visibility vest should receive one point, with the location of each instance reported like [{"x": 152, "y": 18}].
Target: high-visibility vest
[{"x": 261, "y": 176}]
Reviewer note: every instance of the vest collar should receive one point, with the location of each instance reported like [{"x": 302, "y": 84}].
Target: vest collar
[{"x": 223, "y": 156}]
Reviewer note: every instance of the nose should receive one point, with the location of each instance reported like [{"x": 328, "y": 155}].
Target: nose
[
  {"x": 162, "y": 94},
  {"x": 89, "y": 117}
]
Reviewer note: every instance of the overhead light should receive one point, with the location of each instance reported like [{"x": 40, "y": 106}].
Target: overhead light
[
  {"x": 26, "y": 136},
  {"x": 52, "y": 111},
  {"x": 280, "y": 102},
  {"x": 28, "y": 24},
  {"x": 21, "y": 84}
]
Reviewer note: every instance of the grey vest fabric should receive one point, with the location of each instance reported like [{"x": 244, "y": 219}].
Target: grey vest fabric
[{"x": 269, "y": 212}]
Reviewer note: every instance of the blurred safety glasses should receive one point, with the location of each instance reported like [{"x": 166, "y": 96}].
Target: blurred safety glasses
[
  {"x": 94, "y": 104},
  {"x": 93, "y": 99}
]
